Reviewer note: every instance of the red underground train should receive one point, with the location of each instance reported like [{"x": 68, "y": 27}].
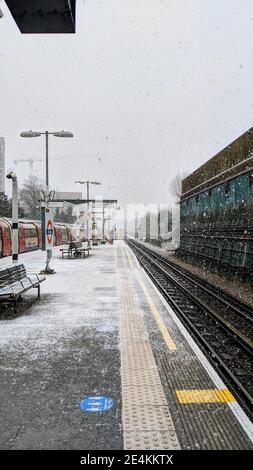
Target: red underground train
[{"x": 29, "y": 234}]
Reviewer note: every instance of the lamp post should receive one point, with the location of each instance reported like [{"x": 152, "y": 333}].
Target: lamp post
[
  {"x": 14, "y": 243},
  {"x": 30, "y": 134},
  {"x": 88, "y": 200}
]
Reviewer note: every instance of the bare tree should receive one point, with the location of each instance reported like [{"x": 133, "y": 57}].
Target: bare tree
[
  {"x": 176, "y": 184},
  {"x": 5, "y": 206},
  {"x": 30, "y": 195}
]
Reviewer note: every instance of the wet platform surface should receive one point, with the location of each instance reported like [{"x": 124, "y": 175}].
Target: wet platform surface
[{"x": 102, "y": 329}]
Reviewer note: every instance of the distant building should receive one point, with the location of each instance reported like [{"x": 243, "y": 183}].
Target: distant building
[{"x": 2, "y": 165}]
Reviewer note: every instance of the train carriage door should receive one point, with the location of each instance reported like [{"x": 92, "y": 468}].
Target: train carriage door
[
  {"x": 68, "y": 233},
  {"x": 54, "y": 236},
  {"x": 60, "y": 235},
  {"x": 38, "y": 234},
  {"x": 21, "y": 238},
  {"x": 6, "y": 237},
  {"x": 34, "y": 237},
  {"x": 1, "y": 243},
  {"x": 57, "y": 233},
  {"x": 64, "y": 234}
]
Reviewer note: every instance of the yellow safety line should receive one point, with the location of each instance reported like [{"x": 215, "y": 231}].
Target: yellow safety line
[
  {"x": 124, "y": 252},
  {"x": 205, "y": 396},
  {"x": 169, "y": 341},
  {"x": 228, "y": 395},
  {"x": 133, "y": 256},
  {"x": 130, "y": 261}
]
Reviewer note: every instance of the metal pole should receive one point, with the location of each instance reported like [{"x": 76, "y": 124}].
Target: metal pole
[
  {"x": 14, "y": 220},
  {"x": 136, "y": 225},
  {"x": 47, "y": 179},
  {"x": 43, "y": 208},
  {"x": 93, "y": 215},
  {"x": 103, "y": 226},
  {"x": 147, "y": 226},
  {"x": 108, "y": 222},
  {"x": 87, "y": 223},
  {"x": 125, "y": 224},
  {"x": 159, "y": 223},
  {"x": 78, "y": 222},
  {"x": 47, "y": 270},
  {"x": 47, "y": 194}
]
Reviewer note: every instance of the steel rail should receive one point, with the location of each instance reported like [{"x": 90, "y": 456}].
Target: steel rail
[
  {"x": 238, "y": 307},
  {"x": 229, "y": 367}
]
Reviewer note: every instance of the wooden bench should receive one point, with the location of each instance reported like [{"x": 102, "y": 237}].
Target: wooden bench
[
  {"x": 75, "y": 250},
  {"x": 14, "y": 281},
  {"x": 80, "y": 250}
]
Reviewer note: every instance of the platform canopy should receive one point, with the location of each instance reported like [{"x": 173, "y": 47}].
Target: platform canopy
[
  {"x": 97, "y": 202},
  {"x": 43, "y": 16}
]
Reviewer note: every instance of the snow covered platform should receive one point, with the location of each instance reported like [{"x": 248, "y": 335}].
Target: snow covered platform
[{"x": 101, "y": 362}]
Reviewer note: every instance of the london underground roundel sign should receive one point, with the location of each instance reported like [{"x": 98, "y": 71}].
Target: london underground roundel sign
[{"x": 49, "y": 232}]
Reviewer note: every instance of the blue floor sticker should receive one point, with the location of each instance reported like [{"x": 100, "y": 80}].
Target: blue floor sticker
[
  {"x": 96, "y": 404},
  {"x": 104, "y": 328}
]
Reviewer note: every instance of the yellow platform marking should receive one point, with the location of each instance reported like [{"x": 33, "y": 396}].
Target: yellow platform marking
[
  {"x": 205, "y": 396},
  {"x": 169, "y": 341},
  {"x": 129, "y": 258}
]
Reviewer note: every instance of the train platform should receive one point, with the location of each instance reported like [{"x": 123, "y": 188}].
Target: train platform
[{"x": 101, "y": 362}]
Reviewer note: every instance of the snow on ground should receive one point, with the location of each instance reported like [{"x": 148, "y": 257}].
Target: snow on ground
[
  {"x": 71, "y": 299},
  {"x": 59, "y": 349}
]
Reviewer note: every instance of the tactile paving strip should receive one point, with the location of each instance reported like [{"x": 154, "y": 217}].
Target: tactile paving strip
[
  {"x": 137, "y": 358},
  {"x": 147, "y": 423},
  {"x": 144, "y": 378},
  {"x": 147, "y": 418},
  {"x": 144, "y": 395},
  {"x": 150, "y": 440}
]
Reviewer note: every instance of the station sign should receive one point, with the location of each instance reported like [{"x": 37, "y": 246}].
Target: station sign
[
  {"x": 67, "y": 195},
  {"x": 49, "y": 229},
  {"x": 55, "y": 204}
]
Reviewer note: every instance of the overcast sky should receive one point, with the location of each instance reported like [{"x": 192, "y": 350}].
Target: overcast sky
[{"x": 148, "y": 87}]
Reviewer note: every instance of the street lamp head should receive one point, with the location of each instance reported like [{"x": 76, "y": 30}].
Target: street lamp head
[
  {"x": 85, "y": 182},
  {"x": 63, "y": 134},
  {"x": 30, "y": 134},
  {"x": 11, "y": 175}
]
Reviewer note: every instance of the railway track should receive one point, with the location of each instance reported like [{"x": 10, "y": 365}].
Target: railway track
[{"x": 222, "y": 325}]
